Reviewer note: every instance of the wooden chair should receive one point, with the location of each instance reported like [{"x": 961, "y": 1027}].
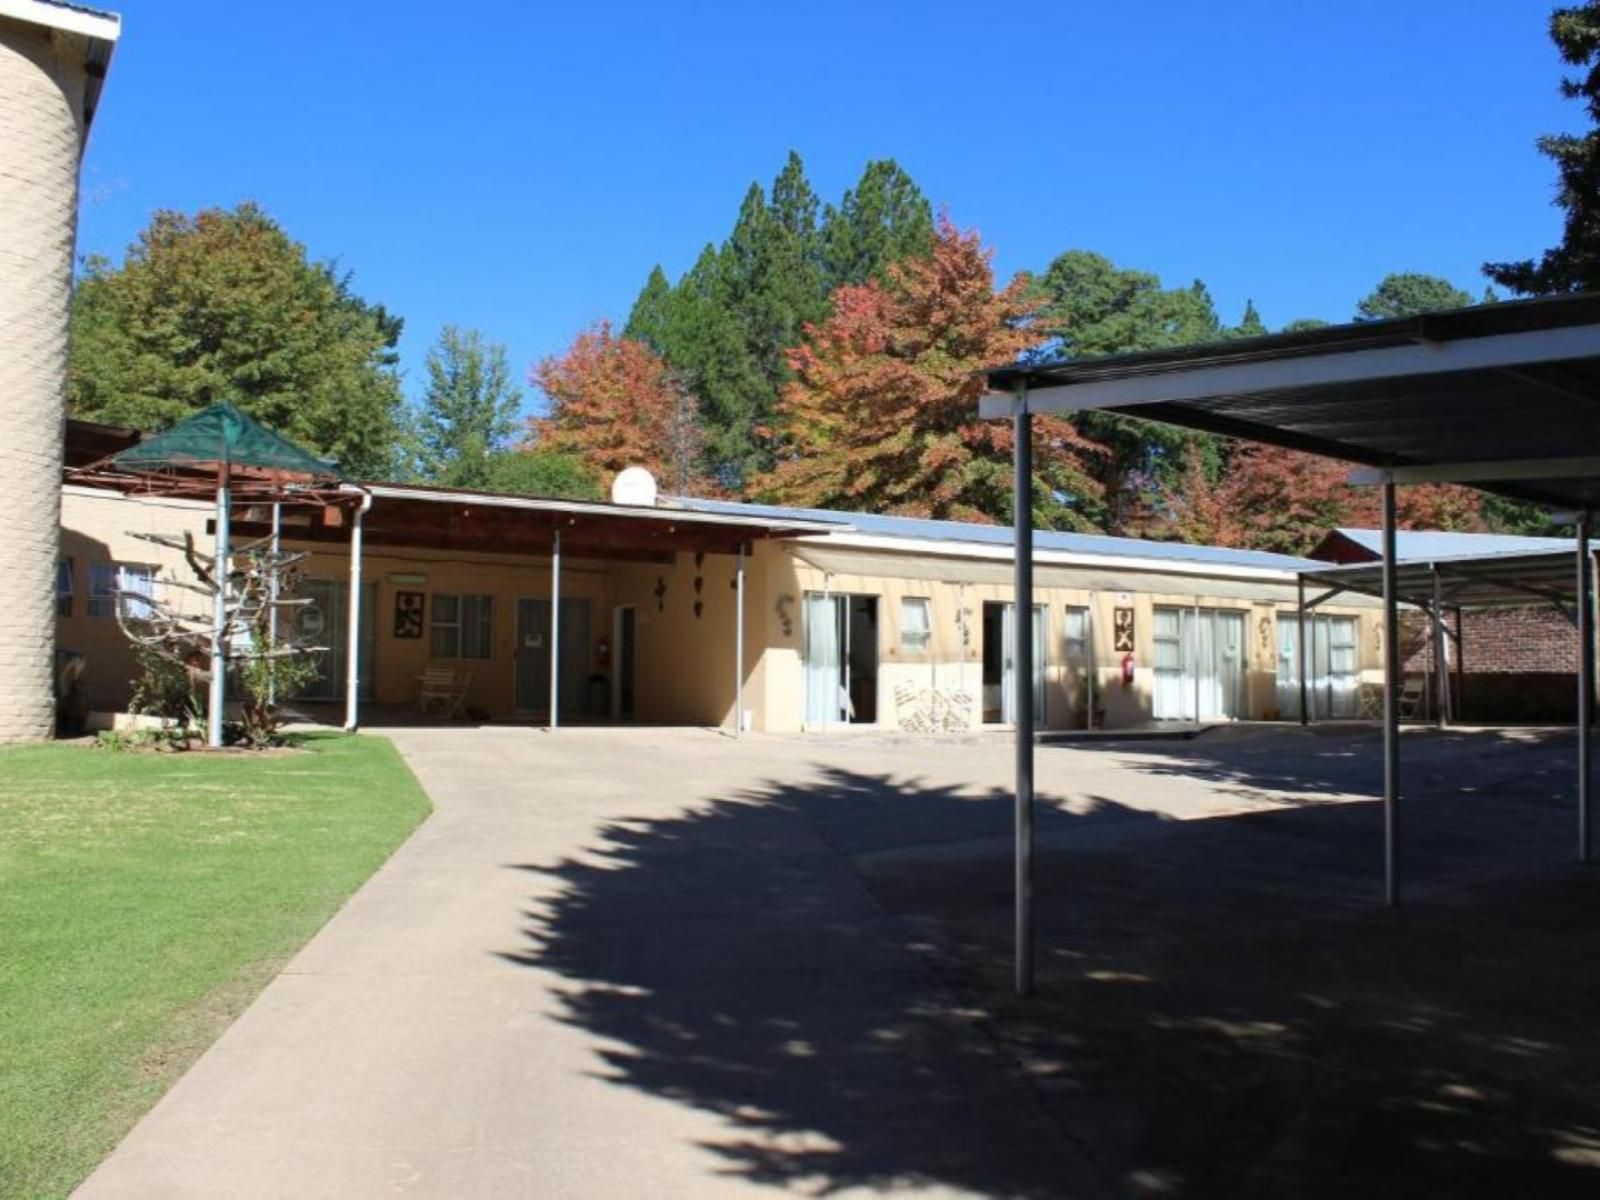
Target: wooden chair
[{"x": 443, "y": 691}]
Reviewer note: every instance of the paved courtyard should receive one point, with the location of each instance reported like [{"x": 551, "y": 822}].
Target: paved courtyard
[{"x": 661, "y": 962}]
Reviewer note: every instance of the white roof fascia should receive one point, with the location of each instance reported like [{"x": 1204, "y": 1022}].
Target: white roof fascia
[
  {"x": 952, "y": 549},
  {"x": 676, "y": 516},
  {"x": 107, "y": 27}
]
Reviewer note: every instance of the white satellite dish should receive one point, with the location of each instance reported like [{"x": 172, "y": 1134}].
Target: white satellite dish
[{"x": 636, "y": 486}]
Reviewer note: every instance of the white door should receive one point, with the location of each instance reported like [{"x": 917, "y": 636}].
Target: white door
[{"x": 1008, "y": 690}]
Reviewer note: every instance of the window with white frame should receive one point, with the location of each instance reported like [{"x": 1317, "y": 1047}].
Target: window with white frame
[
  {"x": 1076, "y": 632},
  {"x": 63, "y": 587},
  {"x": 916, "y": 623},
  {"x": 132, "y": 585},
  {"x": 462, "y": 625}
]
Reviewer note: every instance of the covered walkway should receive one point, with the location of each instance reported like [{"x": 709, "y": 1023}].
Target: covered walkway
[{"x": 1501, "y": 397}]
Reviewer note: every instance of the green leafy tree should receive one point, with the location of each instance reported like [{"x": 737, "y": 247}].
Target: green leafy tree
[
  {"x": 883, "y": 219},
  {"x": 552, "y": 473},
  {"x": 1303, "y": 324},
  {"x": 1094, "y": 308},
  {"x": 468, "y": 411},
  {"x": 1574, "y": 265},
  {"x": 225, "y": 305},
  {"x": 1407, "y": 294}
]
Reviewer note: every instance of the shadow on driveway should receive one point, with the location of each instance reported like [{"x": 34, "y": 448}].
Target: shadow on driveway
[{"x": 1224, "y": 1010}]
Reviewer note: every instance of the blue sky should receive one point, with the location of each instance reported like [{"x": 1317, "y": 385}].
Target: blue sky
[{"x": 519, "y": 166}]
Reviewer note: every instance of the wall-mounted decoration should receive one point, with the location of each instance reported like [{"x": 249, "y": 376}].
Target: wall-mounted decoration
[
  {"x": 1122, "y": 630},
  {"x": 699, "y": 583},
  {"x": 661, "y": 593},
  {"x": 784, "y": 617},
  {"x": 1264, "y": 635},
  {"x": 408, "y": 614},
  {"x": 699, "y": 606}
]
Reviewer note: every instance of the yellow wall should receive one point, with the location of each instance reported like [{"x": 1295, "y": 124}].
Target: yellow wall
[{"x": 684, "y": 667}]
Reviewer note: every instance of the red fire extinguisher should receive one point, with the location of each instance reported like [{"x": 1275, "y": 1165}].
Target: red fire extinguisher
[{"x": 1127, "y": 670}]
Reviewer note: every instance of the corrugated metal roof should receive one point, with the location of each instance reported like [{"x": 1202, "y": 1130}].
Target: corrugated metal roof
[
  {"x": 1509, "y": 383},
  {"x": 1000, "y": 535},
  {"x": 1413, "y": 544}
]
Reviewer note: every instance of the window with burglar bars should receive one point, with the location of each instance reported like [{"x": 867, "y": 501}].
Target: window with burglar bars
[{"x": 462, "y": 625}]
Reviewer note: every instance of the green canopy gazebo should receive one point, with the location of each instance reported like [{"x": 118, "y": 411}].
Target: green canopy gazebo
[{"x": 223, "y": 452}]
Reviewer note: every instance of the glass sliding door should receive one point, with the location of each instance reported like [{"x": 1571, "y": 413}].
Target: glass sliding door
[
  {"x": 824, "y": 658},
  {"x": 1200, "y": 664},
  {"x": 1333, "y": 673}
]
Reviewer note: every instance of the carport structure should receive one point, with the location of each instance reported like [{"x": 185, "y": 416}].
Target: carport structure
[
  {"x": 1504, "y": 397},
  {"x": 1441, "y": 585}
]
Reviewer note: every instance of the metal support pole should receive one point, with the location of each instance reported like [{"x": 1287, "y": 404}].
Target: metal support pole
[
  {"x": 555, "y": 632},
  {"x": 1195, "y": 662},
  {"x": 1022, "y": 681},
  {"x": 1461, "y": 663},
  {"x": 1391, "y": 705},
  {"x": 1441, "y": 669},
  {"x": 1585, "y": 690},
  {"x": 352, "y": 680},
  {"x": 272, "y": 606},
  {"x": 217, "y": 694},
  {"x": 1091, "y": 667},
  {"x": 738, "y": 644},
  {"x": 1300, "y": 654}
]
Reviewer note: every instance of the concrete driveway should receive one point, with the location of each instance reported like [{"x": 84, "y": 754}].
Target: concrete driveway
[
  {"x": 664, "y": 963},
  {"x": 474, "y": 1021}
]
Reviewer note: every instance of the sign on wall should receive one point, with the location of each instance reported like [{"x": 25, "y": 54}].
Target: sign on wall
[
  {"x": 408, "y": 614},
  {"x": 1122, "y": 630}
]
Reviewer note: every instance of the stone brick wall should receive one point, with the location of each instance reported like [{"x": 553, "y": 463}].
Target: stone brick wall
[{"x": 41, "y": 140}]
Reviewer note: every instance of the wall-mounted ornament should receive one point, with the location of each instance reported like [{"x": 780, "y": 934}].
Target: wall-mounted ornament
[
  {"x": 699, "y": 583},
  {"x": 661, "y": 593},
  {"x": 698, "y": 608},
  {"x": 784, "y": 619},
  {"x": 699, "y": 559},
  {"x": 408, "y": 614}
]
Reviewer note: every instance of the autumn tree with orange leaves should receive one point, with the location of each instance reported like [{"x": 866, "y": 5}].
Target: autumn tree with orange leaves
[
  {"x": 1270, "y": 498},
  {"x": 882, "y": 413},
  {"x": 614, "y": 403}
]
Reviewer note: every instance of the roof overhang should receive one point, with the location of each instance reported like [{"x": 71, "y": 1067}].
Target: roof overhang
[
  {"x": 1497, "y": 396},
  {"x": 99, "y": 31},
  {"x": 460, "y": 521}
]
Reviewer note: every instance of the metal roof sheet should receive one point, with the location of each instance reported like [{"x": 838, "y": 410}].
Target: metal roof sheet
[
  {"x": 918, "y": 528},
  {"x": 1468, "y": 580},
  {"x": 1502, "y": 383},
  {"x": 1430, "y": 543}
]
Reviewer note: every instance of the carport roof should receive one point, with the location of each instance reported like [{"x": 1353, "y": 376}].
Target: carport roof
[
  {"x": 1503, "y": 396},
  {"x": 1467, "y": 581}
]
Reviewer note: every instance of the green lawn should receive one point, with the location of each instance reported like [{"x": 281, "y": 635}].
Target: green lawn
[{"x": 144, "y": 900}]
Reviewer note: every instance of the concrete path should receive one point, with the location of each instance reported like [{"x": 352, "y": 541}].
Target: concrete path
[{"x": 621, "y": 963}]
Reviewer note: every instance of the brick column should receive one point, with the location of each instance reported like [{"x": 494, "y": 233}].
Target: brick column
[{"x": 41, "y": 140}]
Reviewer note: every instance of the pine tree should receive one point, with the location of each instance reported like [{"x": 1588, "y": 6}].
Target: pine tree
[
  {"x": 1250, "y": 324},
  {"x": 1408, "y": 294},
  {"x": 650, "y": 320},
  {"x": 1574, "y": 265},
  {"x": 885, "y": 218},
  {"x": 468, "y": 411}
]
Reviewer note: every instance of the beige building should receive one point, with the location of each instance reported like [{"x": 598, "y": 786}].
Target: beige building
[
  {"x": 848, "y": 620},
  {"x": 53, "y": 58}
]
